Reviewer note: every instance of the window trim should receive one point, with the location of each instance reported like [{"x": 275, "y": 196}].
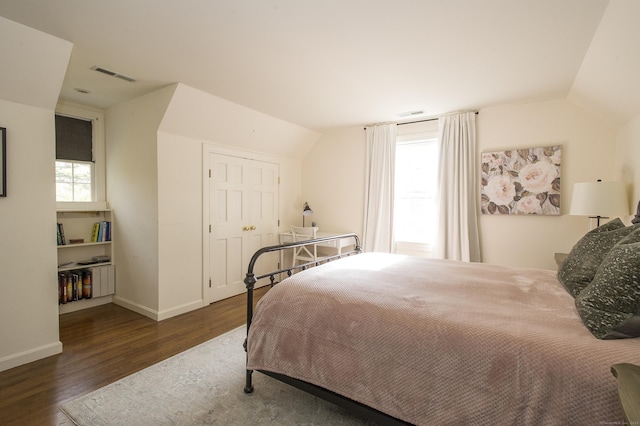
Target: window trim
[{"x": 99, "y": 156}]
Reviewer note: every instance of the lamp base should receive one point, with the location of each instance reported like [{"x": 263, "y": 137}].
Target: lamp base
[{"x": 594, "y": 217}]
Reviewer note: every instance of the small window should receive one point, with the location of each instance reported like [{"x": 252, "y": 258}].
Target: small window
[
  {"x": 80, "y": 162},
  {"x": 74, "y": 160},
  {"x": 74, "y": 181}
]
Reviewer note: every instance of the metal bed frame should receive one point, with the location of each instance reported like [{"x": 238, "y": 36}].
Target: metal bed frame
[{"x": 250, "y": 281}]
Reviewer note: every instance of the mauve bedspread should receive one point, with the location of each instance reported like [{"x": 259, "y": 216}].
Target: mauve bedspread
[{"x": 441, "y": 342}]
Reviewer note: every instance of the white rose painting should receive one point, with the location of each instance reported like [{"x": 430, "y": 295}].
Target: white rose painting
[{"x": 522, "y": 181}]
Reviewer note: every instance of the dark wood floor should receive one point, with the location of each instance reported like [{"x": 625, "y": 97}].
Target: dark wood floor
[{"x": 102, "y": 345}]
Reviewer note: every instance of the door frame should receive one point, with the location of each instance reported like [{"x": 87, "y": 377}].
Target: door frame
[{"x": 210, "y": 148}]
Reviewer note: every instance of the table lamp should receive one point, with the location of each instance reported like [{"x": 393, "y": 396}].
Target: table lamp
[
  {"x": 599, "y": 200},
  {"x": 306, "y": 211}
]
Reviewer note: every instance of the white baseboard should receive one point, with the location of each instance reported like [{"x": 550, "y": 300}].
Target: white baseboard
[
  {"x": 158, "y": 315},
  {"x": 179, "y": 310},
  {"x": 135, "y": 307},
  {"x": 31, "y": 355}
]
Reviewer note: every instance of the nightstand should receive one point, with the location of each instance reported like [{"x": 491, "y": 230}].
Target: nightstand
[
  {"x": 560, "y": 257},
  {"x": 628, "y": 376}
]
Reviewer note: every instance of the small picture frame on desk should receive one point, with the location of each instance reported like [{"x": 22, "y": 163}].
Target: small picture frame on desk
[{"x": 3, "y": 162}]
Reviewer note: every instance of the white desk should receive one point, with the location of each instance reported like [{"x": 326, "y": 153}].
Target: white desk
[
  {"x": 287, "y": 237},
  {"x": 337, "y": 244}
]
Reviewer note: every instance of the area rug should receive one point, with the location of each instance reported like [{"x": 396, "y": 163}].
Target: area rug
[{"x": 203, "y": 386}]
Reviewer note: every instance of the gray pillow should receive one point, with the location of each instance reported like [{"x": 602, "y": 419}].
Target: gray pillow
[
  {"x": 610, "y": 305},
  {"x": 580, "y": 266}
]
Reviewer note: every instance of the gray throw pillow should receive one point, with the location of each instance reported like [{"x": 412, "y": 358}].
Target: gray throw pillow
[
  {"x": 580, "y": 266},
  {"x": 610, "y": 305}
]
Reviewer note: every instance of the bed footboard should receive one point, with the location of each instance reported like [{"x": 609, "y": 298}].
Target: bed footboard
[{"x": 251, "y": 279}]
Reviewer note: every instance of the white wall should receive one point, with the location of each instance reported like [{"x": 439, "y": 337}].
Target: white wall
[
  {"x": 28, "y": 260},
  {"x": 333, "y": 181},
  {"x": 587, "y": 155},
  {"x": 628, "y": 159},
  {"x": 333, "y": 178},
  {"x": 132, "y": 193},
  {"x": 290, "y": 192},
  {"x": 32, "y": 73},
  {"x": 179, "y": 224}
]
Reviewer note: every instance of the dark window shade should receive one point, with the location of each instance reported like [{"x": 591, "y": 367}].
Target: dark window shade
[{"x": 73, "y": 139}]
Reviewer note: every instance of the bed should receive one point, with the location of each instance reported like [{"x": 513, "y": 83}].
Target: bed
[{"x": 409, "y": 340}]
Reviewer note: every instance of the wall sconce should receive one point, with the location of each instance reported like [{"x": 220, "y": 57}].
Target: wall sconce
[
  {"x": 306, "y": 211},
  {"x": 599, "y": 199}
]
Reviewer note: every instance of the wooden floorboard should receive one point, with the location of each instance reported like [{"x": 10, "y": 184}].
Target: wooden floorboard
[{"x": 102, "y": 345}]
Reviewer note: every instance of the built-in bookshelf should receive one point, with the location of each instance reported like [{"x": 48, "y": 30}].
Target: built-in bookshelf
[{"x": 86, "y": 275}]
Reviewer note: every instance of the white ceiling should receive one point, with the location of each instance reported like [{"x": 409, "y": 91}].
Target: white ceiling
[{"x": 332, "y": 63}]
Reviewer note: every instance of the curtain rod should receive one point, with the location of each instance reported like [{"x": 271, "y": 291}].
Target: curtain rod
[
  {"x": 423, "y": 120},
  {"x": 417, "y": 121}
]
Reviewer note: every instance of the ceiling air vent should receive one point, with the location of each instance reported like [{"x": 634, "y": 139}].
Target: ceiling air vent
[
  {"x": 113, "y": 74},
  {"x": 410, "y": 113}
]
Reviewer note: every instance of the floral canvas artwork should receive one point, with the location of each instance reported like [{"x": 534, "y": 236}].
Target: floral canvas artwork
[{"x": 522, "y": 181}]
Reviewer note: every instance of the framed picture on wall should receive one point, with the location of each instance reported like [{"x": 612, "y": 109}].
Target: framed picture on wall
[
  {"x": 521, "y": 181},
  {"x": 3, "y": 162}
]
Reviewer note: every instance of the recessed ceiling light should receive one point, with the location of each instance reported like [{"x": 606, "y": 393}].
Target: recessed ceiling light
[{"x": 83, "y": 91}]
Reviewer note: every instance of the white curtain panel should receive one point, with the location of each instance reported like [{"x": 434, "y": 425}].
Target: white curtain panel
[
  {"x": 457, "y": 231},
  {"x": 379, "y": 182}
]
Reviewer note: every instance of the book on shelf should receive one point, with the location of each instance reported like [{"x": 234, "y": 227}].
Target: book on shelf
[
  {"x": 87, "y": 283},
  {"x": 94, "y": 232},
  {"x": 101, "y": 232},
  {"x": 62, "y": 287},
  {"x": 61, "y": 240},
  {"x": 75, "y": 285}
]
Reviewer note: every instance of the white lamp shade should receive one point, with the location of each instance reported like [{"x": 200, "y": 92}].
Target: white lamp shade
[{"x": 604, "y": 199}]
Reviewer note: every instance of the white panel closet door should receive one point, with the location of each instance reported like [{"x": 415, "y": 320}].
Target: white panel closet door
[{"x": 243, "y": 210}]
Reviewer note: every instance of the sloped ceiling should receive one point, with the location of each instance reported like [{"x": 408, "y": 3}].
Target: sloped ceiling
[
  {"x": 334, "y": 63},
  {"x": 196, "y": 114},
  {"x": 33, "y": 65},
  {"x": 607, "y": 81}
]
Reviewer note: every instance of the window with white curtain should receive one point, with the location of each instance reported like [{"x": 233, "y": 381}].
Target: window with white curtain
[{"x": 416, "y": 175}]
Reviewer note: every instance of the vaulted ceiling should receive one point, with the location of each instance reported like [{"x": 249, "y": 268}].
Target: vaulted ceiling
[{"x": 332, "y": 63}]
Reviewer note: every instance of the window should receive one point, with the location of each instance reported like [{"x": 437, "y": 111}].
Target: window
[
  {"x": 74, "y": 159},
  {"x": 415, "y": 192},
  {"x": 79, "y": 163},
  {"x": 416, "y": 177},
  {"x": 74, "y": 181}
]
